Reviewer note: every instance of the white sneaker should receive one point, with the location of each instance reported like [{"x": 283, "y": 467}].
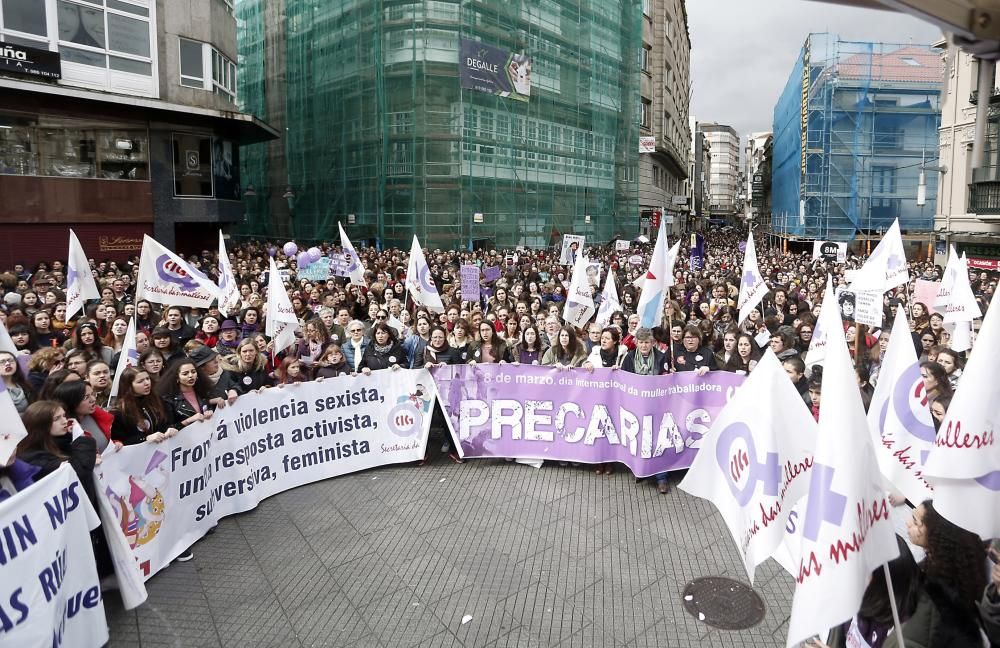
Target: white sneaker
[
  {"x": 185, "y": 556},
  {"x": 445, "y": 447}
]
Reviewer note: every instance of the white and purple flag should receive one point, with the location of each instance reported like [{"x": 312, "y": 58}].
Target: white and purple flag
[
  {"x": 753, "y": 288},
  {"x": 419, "y": 282},
  {"x": 352, "y": 260},
  {"x": 846, "y": 531},
  {"x": 11, "y": 428},
  {"x": 129, "y": 357},
  {"x": 281, "y": 321},
  {"x": 964, "y": 464},
  {"x": 829, "y": 319},
  {"x": 754, "y": 463},
  {"x": 80, "y": 284},
  {"x": 229, "y": 290},
  {"x": 579, "y": 306},
  {"x": 610, "y": 304},
  {"x": 886, "y": 267},
  {"x": 165, "y": 278},
  {"x": 899, "y": 418}
]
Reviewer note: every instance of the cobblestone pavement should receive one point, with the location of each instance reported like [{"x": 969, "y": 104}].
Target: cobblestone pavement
[{"x": 399, "y": 555}]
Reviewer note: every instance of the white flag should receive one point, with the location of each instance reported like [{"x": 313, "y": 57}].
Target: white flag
[
  {"x": 754, "y": 463},
  {"x": 899, "y": 419},
  {"x": 659, "y": 278},
  {"x": 418, "y": 280},
  {"x": 753, "y": 288},
  {"x": 963, "y": 306},
  {"x": 281, "y": 320},
  {"x": 846, "y": 528},
  {"x": 129, "y": 357},
  {"x": 964, "y": 464},
  {"x": 354, "y": 269},
  {"x": 229, "y": 290},
  {"x": 886, "y": 267},
  {"x": 12, "y": 429},
  {"x": 80, "y": 284},
  {"x": 610, "y": 303},
  {"x": 165, "y": 278},
  {"x": 829, "y": 319},
  {"x": 579, "y": 306},
  {"x": 948, "y": 281},
  {"x": 7, "y": 344}
]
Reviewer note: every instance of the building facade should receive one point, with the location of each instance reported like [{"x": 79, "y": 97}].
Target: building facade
[
  {"x": 119, "y": 119},
  {"x": 701, "y": 168},
  {"x": 852, "y": 128},
  {"x": 665, "y": 62},
  {"x": 757, "y": 177},
  {"x": 724, "y": 186},
  {"x": 968, "y": 207},
  {"x": 384, "y": 133}
]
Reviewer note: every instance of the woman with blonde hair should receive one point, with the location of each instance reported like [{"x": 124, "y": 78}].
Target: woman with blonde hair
[{"x": 248, "y": 366}]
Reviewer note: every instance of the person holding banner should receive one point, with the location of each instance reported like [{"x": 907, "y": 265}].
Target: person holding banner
[
  {"x": 694, "y": 357},
  {"x": 187, "y": 395},
  {"x": 489, "y": 347},
  {"x": 139, "y": 414},
  {"x": 647, "y": 360},
  {"x": 566, "y": 352},
  {"x": 247, "y": 367},
  {"x": 609, "y": 353},
  {"x": 384, "y": 352}
]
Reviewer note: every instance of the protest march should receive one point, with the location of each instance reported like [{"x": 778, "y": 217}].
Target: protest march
[{"x": 819, "y": 401}]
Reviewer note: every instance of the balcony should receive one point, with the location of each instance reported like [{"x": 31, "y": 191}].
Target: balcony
[
  {"x": 984, "y": 200},
  {"x": 994, "y": 96}
]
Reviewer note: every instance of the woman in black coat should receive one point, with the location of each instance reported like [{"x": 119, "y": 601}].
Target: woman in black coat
[
  {"x": 187, "y": 395},
  {"x": 384, "y": 351},
  {"x": 139, "y": 413},
  {"x": 438, "y": 353}
]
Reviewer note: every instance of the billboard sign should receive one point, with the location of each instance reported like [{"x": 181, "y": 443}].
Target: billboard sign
[
  {"x": 494, "y": 70},
  {"x": 30, "y": 61},
  {"x": 647, "y": 144}
]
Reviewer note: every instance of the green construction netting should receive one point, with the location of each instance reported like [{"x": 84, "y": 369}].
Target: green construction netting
[
  {"x": 378, "y": 130},
  {"x": 852, "y": 128}
]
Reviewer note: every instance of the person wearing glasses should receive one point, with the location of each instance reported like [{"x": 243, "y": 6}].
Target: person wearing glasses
[
  {"x": 694, "y": 356},
  {"x": 355, "y": 346}
]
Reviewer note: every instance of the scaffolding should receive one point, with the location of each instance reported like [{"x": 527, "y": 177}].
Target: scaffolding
[
  {"x": 379, "y": 134},
  {"x": 853, "y": 128}
]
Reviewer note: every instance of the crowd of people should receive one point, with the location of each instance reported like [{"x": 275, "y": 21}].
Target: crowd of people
[{"x": 193, "y": 361}]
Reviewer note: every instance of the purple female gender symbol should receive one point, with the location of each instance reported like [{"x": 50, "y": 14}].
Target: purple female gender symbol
[
  {"x": 425, "y": 279},
  {"x": 768, "y": 472},
  {"x": 990, "y": 480},
  {"x": 909, "y": 419}
]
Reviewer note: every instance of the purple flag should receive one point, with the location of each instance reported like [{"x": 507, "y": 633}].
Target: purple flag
[
  {"x": 650, "y": 423},
  {"x": 491, "y": 274}
]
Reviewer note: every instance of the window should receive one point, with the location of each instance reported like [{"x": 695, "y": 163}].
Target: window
[
  {"x": 646, "y": 7},
  {"x": 25, "y": 16},
  {"x": 223, "y": 76},
  {"x": 192, "y": 165},
  {"x": 46, "y": 145},
  {"x": 192, "y": 64},
  {"x": 644, "y": 59},
  {"x": 114, "y": 35},
  {"x": 645, "y": 113}
]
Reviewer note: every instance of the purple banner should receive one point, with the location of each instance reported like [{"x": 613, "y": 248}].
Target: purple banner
[
  {"x": 651, "y": 424},
  {"x": 470, "y": 282},
  {"x": 491, "y": 274}
]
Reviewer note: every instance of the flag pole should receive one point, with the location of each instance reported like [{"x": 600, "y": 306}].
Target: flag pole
[{"x": 892, "y": 604}]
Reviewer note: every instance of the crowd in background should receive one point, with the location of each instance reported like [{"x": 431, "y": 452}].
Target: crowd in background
[{"x": 193, "y": 361}]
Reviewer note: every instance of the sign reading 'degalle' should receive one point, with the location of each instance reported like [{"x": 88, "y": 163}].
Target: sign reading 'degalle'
[{"x": 18, "y": 59}]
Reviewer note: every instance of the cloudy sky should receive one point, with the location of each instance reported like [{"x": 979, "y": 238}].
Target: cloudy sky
[{"x": 742, "y": 51}]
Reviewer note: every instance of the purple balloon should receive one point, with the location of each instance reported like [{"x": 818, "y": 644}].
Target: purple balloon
[
  {"x": 272, "y": 251},
  {"x": 315, "y": 254},
  {"x": 304, "y": 259},
  {"x": 290, "y": 249}
]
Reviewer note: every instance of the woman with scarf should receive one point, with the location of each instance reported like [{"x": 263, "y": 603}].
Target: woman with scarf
[
  {"x": 78, "y": 400},
  {"x": 608, "y": 353},
  {"x": 17, "y": 386},
  {"x": 647, "y": 360},
  {"x": 383, "y": 352},
  {"x": 355, "y": 346}
]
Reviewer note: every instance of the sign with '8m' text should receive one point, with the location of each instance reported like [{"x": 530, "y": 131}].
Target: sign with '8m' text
[{"x": 166, "y": 496}]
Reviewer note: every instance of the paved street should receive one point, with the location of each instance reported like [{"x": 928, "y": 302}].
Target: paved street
[{"x": 398, "y": 556}]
